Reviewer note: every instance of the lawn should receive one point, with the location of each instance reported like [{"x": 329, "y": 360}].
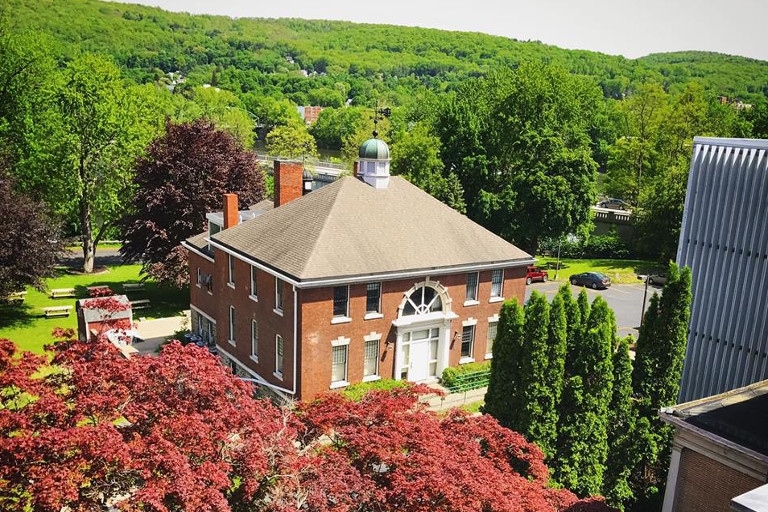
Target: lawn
[
  {"x": 26, "y": 325},
  {"x": 620, "y": 271}
]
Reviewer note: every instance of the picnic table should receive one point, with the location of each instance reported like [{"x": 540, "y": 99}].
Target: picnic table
[
  {"x": 52, "y": 311},
  {"x": 58, "y": 293}
]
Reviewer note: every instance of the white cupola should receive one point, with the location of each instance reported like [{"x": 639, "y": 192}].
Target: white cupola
[{"x": 374, "y": 162}]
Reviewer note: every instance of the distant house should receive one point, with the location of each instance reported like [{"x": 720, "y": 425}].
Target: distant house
[
  {"x": 309, "y": 114},
  {"x": 724, "y": 240},
  {"x": 720, "y": 452},
  {"x": 365, "y": 278}
]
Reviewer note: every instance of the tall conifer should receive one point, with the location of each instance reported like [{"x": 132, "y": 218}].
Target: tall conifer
[
  {"x": 507, "y": 352},
  {"x": 656, "y": 380}
]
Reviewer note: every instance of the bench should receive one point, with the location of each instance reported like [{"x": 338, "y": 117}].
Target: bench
[
  {"x": 132, "y": 287},
  {"x": 63, "y": 292},
  {"x": 140, "y": 304},
  {"x": 14, "y": 297},
  {"x": 52, "y": 311}
]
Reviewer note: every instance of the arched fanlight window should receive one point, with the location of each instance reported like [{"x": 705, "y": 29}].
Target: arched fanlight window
[{"x": 421, "y": 301}]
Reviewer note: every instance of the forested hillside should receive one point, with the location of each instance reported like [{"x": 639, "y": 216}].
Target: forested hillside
[
  {"x": 360, "y": 61},
  {"x": 511, "y": 133}
]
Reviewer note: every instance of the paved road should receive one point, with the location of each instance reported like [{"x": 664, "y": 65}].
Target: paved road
[{"x": 626, "y": 300}]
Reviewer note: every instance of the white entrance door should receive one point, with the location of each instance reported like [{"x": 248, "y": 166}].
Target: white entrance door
[{"x": 420, "y": 351}]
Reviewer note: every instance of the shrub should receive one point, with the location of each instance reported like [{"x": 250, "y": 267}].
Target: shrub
[
  {"x": 357, "y": 391},
  {"x": 452, "y": 377}
]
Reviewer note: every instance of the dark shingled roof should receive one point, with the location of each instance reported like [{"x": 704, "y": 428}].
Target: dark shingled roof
[
  {"x": 349, "y": 228},
  {"x": 740, "y": 415}
]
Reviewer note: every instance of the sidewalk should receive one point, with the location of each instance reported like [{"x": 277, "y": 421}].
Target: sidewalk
[
  {"x": 154, "y": 333},
  {"x": 450, "y": 400}
]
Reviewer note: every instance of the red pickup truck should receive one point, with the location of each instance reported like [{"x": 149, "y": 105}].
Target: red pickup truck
[{"x": 535, "y": 274}]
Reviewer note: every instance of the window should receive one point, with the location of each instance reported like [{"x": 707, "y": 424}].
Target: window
[
  {"x": 253, "y": 282},
  {"x": 278, "y": 294},
  {"x": 339, "y": 371},
  {"x": 341, "y": 301},
  {"x": 493, "y": 327},
  {"x": 371, "y": 365},
  {"x": 471, "y": 294},
  {"x": 497, "y": 281},
  {"x": 422, "y": 301},
  {"x": 373, "y": 298},
  {"x": 279, "y": 355},
  {"x": 467, "y": 340},
  {"x": 255, "y": 340},
  {"x": 199, "y": 277},
  {"x": 231, "y": 274},
  {"x": 232, "y": 324}
]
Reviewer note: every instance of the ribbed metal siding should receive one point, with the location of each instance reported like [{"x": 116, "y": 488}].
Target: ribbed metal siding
[{"x": 724, "y": 240}]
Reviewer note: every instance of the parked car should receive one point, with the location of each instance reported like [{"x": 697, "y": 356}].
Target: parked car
[
  {"x": 535, "y": 274},
  {"x": 614, "y": 204},
  {"x": 594, "y": 280},
  {"x": 660, "y": 279}
]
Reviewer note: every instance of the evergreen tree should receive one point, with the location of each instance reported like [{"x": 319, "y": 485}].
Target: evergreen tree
[
  {"x": 507, "y": 352},
  {"x": 533, "y": 399},
  {"x": 656, "y": 380},
  {"x": 572, "y": 326},
  {"x": 556, "y": 350},
  {"x": 583, "y": 444},
  {"x": 621, "y": 429}
]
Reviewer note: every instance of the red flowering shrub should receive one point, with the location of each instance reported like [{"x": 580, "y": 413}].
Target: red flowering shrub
[{"x": 86, "y": 428}]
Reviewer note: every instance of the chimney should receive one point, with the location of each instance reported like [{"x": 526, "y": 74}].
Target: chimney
[
  {"x": 231, "y": 215},
  {"x": 289, "y": 181}
]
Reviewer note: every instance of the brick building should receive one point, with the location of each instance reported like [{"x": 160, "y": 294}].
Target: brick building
[
  {"x": 719, "y": 453},
  {"x": 366, "y": 278}
]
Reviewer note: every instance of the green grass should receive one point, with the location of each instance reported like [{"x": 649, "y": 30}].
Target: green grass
[
  {"x": 26, "y": 325},
  {"x": 620, "y": 271}
]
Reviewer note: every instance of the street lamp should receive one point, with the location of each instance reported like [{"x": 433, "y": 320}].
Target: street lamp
[{"x": 645, "y": 296}]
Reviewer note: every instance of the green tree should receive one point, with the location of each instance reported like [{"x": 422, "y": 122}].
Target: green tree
[
  {"x": 519, "y": 142},
  {"x": 98, "y": 128},
  {"x": 505, "y": 365},
  {"x": 291, "y": 141},
  {"x": 582, "y": 446},
  {"x": 557, "y": 335},
  {"x": 656, "y": 378},
  {"x": 416, "y": 156},
  {"x": 621, "y": 430}
]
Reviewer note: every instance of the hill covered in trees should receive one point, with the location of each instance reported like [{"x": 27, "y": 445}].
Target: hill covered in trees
[{"x": 330, "y": 62}]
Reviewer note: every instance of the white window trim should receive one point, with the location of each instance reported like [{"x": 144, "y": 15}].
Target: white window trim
[
  {"x": 373, "y": 316},
  {"x": 251, "y": 296},
  {"x": 475, "y": 301},
  {"x": 254, "y": 357},
  {"x": 199, "y": 274},
  {"x": 277, "y": 373},
  {"x": 491, "y": 319},
  {"x": 342, "y": 319},
  {"x": 230, "y": 339},
  {"x": 500, "y": 297},
  {"x": 278, "y": 283},
  {"x": 373, "y": 336},
  {"x": 466, "y": 323},
  {"x": 230, "y": 271},
  {"x": 341, "y": 341}
]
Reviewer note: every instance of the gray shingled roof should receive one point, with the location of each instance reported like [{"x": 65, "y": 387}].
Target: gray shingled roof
[{"x": 350, "y": 229}]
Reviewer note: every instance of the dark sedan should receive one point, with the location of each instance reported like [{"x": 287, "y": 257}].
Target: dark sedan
[{"x": 594, "y": 280}]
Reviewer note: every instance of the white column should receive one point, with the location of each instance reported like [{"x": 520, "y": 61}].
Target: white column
[{"x": 674, "y": 468}]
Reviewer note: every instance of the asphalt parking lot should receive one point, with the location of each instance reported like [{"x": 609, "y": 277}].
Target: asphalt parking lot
[{"x": 626, "y": 300}]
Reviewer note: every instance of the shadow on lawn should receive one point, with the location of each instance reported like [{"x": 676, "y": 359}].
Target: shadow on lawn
[{"x": 16, "y": 314}]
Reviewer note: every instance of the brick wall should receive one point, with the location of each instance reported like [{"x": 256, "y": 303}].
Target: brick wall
[
  {"x": 705, "y": 485},
  {"x": 314, "y": 319}
]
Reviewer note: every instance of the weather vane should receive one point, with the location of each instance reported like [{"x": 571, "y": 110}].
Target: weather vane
[{"x": 386, "y": 112}]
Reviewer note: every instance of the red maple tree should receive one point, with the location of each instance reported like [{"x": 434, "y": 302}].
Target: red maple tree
[{"x": 85, "y": 428}]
